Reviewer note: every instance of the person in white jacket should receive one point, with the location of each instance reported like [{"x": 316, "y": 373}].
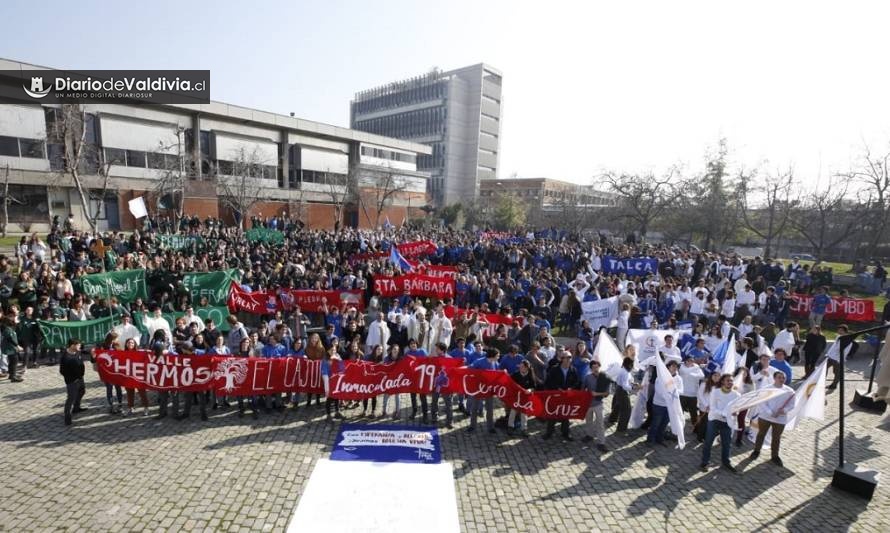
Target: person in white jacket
[
  {"x": 691, "y": 374},
  {"x": 773, "y": 416},
  {"x": 378, "y": 333},
  {"x": 441, "y": 329},
  {"x": 155, "y": 321},
  {"x": 126, "y": 331}
]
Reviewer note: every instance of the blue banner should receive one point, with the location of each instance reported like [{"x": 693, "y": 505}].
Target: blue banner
[
  {"x": 387, "y": 444},
  {"x": 632, "y": 266}
]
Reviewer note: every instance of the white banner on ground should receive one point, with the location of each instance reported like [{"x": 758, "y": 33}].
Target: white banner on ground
[
  {"x": 600, "y": 313},
  {"x": 382, "y": 497}
]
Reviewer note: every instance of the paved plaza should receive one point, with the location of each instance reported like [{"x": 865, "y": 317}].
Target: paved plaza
[{"x": 119, "y": 473}]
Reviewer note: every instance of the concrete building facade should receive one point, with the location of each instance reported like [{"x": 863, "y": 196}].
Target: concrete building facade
[
  {"x": 306, "y": 169},
  {"x": 457, "y": 113}
]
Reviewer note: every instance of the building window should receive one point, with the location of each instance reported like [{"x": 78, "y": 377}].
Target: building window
[
  {"x": 226, "y": 168},
  {"x": 32, "y": 205},
  {"x": 156, "y": 160},
  {"x": 116, "y": 156},
  {"x": 9, "y": 146},
  {"x": 32, "y": 148},
  {"x": 135, "y": 158},
  {"x": 56, "y": 154}
]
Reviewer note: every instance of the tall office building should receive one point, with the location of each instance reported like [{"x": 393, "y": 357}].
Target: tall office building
[{"x": 457, "y": 113}]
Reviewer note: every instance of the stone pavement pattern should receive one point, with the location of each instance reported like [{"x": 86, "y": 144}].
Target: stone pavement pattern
[{"x": 113, "y": 473}]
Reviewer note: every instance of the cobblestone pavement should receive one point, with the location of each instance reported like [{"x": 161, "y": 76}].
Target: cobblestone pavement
[{"x": 137, "y": 473}]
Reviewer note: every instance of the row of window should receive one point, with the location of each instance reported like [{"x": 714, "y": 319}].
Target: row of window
[
  {"x": 232, "y": 168},
  {"x": 140, "y": 159},
  {"x": 380, "y": 153},
  {"x": 315, "y": 176},
  {"x": 419, "y": 123},
  {"x": 21, "y": 147},
  {"x": 401, "y": 98},
  {"x": 435, "y": 160}
]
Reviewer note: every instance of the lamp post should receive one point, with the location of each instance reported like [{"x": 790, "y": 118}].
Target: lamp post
[{"x": 850, "y": 478}]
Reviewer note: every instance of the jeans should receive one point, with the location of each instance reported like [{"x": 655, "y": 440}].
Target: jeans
[
  {"x": 396, "y": 407},
  {"x": 165, "y": 397},
  {"x": 74, "y": 394},
  {"x": 448, "y": 407},
  {"x": 373, "y": 405},
  {"x": 620, "y": 409},
  {"x": 424, "y": 406},
  {"x": 190, "y": 399},
  {"x": 511, "y": 420},
  {"x": 762, "y": 428},
  {"x": 659, "y": 424},
  {"x": 716, "y": 427},
  {"x": 474, "y": 404},
  {"x": 110, "y": 395}
]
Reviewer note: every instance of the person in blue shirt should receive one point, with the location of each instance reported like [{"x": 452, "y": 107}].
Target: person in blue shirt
[
  {"x": 477, "y": 353},
  {"x": 779, "y": 363},
  {"x": 330, "y": 365},
  {"x": 440, "y": 381},
  {"x": 510, "y": 360},
  {"x": 490, "y": 362},
  {"x": 424, "y": 402},
  {"x": 461, "y": 352},
  {"x": 273, "y": 350},
  {"x": 821, "y": 301}
]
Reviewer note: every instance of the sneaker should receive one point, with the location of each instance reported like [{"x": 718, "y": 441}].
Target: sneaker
[
  {"x": 777, "y": 461},
  {"x": 128, "y": 412},
  {"x": 161, "y": 416},
  {"x": 568, "y": 438},
  {"x": 730, "y": 468},
  {"x": 754, "y": 455},
  {"x": 703, "y": 467},
  {"x": 602, "y": 448},
  {"x": 145, "y": 412},
  {"x": 395, "y": 416},
  {"x": 338, "y": 416},
  {"x": 449, "y": 426},
  {"x": 67, "y": 420},
  {"x": 523, "y": 434},
  {"x": 79, "y": 409},
  {"x": 241, "y": 413}
]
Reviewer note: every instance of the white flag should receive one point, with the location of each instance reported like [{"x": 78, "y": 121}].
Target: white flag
[
  {"x": 729, "y": 360},
  {"x": 675, "y": 410},
  {"x": 638, "y": 413},
  {"x": 608, "y": 355},
  {"x": 809, "y": 398},
  {"x": 137, "y": 207},
  {"x": 747, "y": 401}
]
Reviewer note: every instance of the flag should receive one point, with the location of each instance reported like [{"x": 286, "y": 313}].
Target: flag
[
  {"x": 747, "y": 401},
  {"x": 397, "y": 260},
  {"x": 675, "y": 410},
  {"x": 608, "y": 355},
  {"x": 137, "y": 207},
  {"x": 638, "y": 413},
  {"x": 387, "y": 225},
  {"x": 809, "y": 398}
]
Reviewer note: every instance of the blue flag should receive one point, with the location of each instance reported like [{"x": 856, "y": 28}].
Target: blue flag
[
  {"x": 720, "y": 353},
  {"x": 396, "y": 259}
]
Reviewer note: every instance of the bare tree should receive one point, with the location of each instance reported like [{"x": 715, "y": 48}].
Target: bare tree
[
  {"x": 827, "y": 217},
  {"x": 81, "y": 158},
  {"x": 241, "y": 189},
  {"x": 7, "y": 199},
  {"x": 873, "y": 171},
  {"x": 341, "y": 190},
  {"x": 173, "y": 176},
  {"x": 642, "y": 199},
  {"x": 379, "y": 190},
  {"x": 766, "y": 202}
]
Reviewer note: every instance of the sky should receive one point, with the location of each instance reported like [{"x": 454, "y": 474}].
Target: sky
[{"x": 588, "y": 86}]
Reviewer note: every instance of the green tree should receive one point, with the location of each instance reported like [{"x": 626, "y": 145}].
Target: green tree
[{"x": 509, "y": 212}]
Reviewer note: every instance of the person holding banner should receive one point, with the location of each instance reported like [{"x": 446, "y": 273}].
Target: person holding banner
[
  {"x": 717, "y": 423},
  {"x": 330, "y": 364},
  {"x": 660, "y": 400},
  {"x": 490, "y": 362},
  {"x": 393, "y": 357},
  {"x": 561, "y": 377},
  {"x": 772, "y": 415},
  {"x": 526, "y": 380},
  {"x": 598, "y": 384}
]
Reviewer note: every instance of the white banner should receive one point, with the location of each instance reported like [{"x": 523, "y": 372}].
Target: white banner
[
  {"x": 600, "y": 313},
  {"x": 648, "y": 341},
  {"x": 137, "y": 207}
]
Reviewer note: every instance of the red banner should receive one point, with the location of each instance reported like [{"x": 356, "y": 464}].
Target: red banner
[
  {"x": 842, "y": 309},
  {"x": 312, "y": 301},
  {"x": 250, "y": 376},
  {"x": 232, "y": 376},
  {"x": 498, "y": 384},
  {"x": 415, "y": 249},
  {"x": 492, "y": 319},
  {"x": 267, "y": 302},
  {"x": 363, "y": 380},
  {"x": 436, "y": 271},
  {"x": 414, "y": 285}
]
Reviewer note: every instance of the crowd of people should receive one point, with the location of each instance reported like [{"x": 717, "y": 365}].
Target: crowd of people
[{"x": 538, "y": 281}]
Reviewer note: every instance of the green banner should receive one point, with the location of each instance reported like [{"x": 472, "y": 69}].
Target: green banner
[
  {"x": 180, "y": 242},
  {"x": 271, "y": 236},
  {"x": 56, "y": 334},
  {"x": 126, "y": 285},
  {"x": 218, "y": 314},
  {"x": 213, "y": 285}
]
